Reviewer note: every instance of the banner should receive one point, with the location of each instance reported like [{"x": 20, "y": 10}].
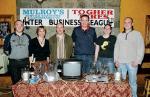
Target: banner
[{"x": 67, "y": 16}]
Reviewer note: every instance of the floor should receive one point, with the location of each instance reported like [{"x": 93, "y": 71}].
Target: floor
[
  {"x": 5, "y": 86},
  {"x": 141, "y": 84}
]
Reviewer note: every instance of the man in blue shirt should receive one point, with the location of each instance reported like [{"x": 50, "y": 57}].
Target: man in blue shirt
[{"x": 84, "y": 38}]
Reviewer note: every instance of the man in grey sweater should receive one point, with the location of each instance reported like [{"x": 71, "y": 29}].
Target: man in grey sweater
[{"x": 128, "y": 53}]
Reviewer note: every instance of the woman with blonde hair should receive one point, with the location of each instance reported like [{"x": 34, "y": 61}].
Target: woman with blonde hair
[{"x": 39, "y": 49}]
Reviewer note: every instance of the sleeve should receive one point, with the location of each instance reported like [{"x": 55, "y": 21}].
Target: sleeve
[
  {"x": 95, "y": 36},
  {"x": 7, "y": 45},
  {"x": 116, "y": 50},
  {"x": 30, "y": 48},
  {"x": 28, "y": 37},
  {"x": 113, "y": 42},
  {"x": 48, "y": 49},
  {"x": 50, "y": 45},
  {"x": 140, "y": 48},
  {"x": 97, "y": 40},
  {"x": 73, "y": 35},
  {"x": 71, "y": 47}
]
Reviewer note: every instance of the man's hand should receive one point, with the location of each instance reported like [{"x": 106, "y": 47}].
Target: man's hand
[
  {"x": 117, "y": 64},
  {"x": 94, "y": 63},
  {"x": 134, "y": 63}
]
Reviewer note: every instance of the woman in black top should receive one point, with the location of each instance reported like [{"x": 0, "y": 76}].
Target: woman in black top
[{"x": 39, "y": 49}]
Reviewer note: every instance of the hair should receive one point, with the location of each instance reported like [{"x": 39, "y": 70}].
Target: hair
[
  {"x": 17, "y": 21},
  {"x": 108, "y": 25},
  {"x": 132, "y": 28},
  {"x": 40, "y": 27},
  {"x": 61, "y": 24},
  {"x": 84, "y": 15},
  {"x": 15, "y": 24}
]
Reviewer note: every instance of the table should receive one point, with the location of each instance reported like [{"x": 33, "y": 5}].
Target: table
[
  {"x": 72, "y": 89},
  {"x": 3, "y": 63}
]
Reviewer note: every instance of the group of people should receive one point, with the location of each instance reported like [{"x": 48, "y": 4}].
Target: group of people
[{"x": 125, "y": 51}]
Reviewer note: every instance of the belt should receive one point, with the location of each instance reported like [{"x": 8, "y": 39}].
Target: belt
[{"x": 24, "y": 59}]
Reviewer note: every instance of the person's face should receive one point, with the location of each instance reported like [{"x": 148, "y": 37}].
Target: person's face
[
  {"x": 128, "y": 24},
  {"x": 59, "y": 29},
  {"x": 41, "y": 32},
  {"x": 107, "y": 29},
  {"x": 84, "y": 22},
  {"x": 19, "y": 26}
]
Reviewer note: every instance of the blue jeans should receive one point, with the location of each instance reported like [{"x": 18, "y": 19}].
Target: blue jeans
[
  {"x": 132, "y": 72},
  {"x": 87, "y": 61},
  {"x": 105, "y": 65}
]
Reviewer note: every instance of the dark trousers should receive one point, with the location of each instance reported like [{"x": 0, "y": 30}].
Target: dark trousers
[
  {"x": 15, "y": 67},
  {"x": 87, "y": 61}
]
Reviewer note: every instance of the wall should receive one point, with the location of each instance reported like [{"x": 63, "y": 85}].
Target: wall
[
  {"x": 8, "y": 7},
  {"x": 134, "y": 8},
  {"x": 137, "y": 9},
  {"x": 112, "y": 4}
]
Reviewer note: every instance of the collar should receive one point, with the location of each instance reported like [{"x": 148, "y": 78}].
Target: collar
[
  {"x": 88, "y": 27},
  {"x": 128, "y": 31},
  {"x": 60, "y": 36},
  {"x": 18, "y": 35}
]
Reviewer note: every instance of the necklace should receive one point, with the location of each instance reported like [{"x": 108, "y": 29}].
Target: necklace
[{"x": 41, "y": 41}]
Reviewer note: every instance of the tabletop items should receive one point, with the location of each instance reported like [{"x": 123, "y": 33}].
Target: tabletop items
[
  {"x": 117, "y": 76},
  {"x": 97, "y": 78},
  {"x": 70, "y": 70}
]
